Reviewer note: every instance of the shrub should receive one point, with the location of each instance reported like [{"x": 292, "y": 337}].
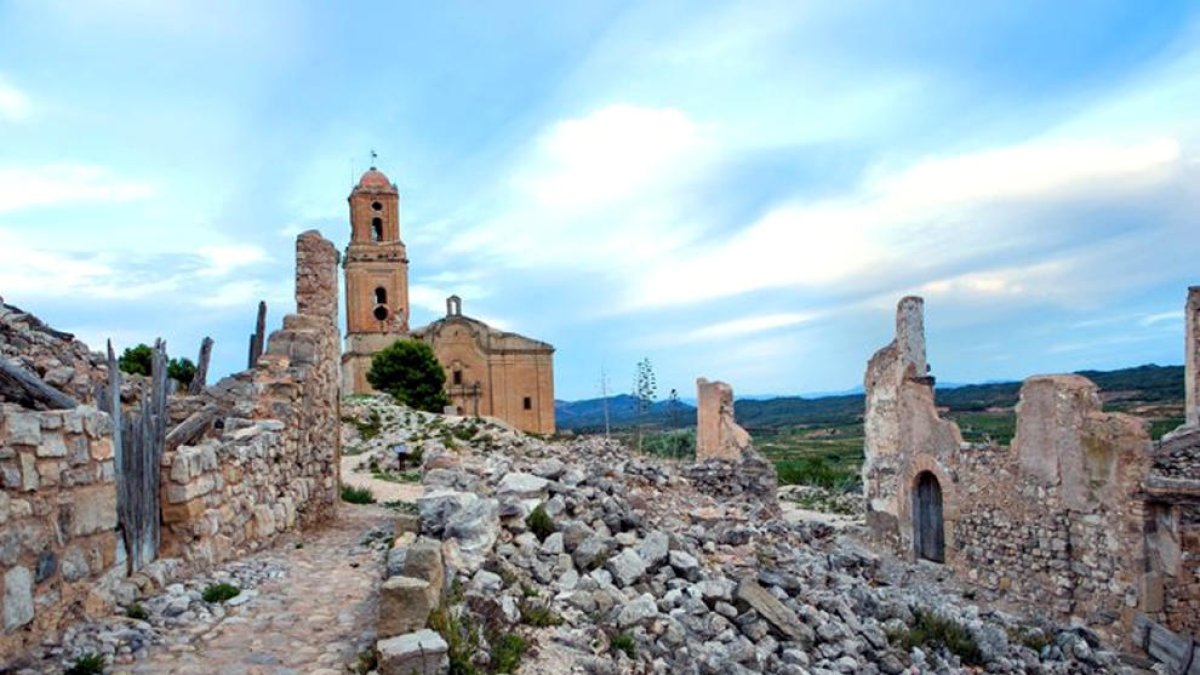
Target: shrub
[
  {"x": 507, "y": 651},
  {"x": 624, "y": 643},
  {"x": 930, "y": 631},
  {"x": 538, "y": 615},
  {"x": 815, "y": 471},
  {"x": 88, "y": 664},
  {"x": 136, "y": 611},
  {"x": 540, "y": 523},
  {"x": 410, "y": 372},
  {"x": 220, "y": 593},
  {"x": 461, "y": 637},
  {"x": 182, "y": 371},
  {"x": 369, "y": 429},
  {"x": 136, "y": 360},
  {"x": 354, "y": 495}
]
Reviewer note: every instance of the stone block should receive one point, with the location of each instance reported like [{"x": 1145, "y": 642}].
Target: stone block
[
  {"x": 18, "y": 598},
  {"x": 95, "y": 510},
  {"x": 23, "y": 429},
  {"x": 423, "y": 652},
  {"x": 404, "y": 606},
  {"x": 407, "y": 522},
  {"x": 779, "y": 616},
  {"x": 424, "y": 561},
  {"x": 264, "y": 521},
  {"x": 52, "y": 445},
  {"x": 182, "y": 513},
  {"x": 177, "y": 494},
  {"x": 102, "y": 448},
  {"x": 29, "y": 473}
]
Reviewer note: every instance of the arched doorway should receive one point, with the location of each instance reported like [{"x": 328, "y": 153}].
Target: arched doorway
[{"x": 929, "y": 539}]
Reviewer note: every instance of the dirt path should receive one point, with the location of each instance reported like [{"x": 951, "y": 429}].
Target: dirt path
[
  {"x": 384, "y": 491},
  {"x": 313, "y": 620}
]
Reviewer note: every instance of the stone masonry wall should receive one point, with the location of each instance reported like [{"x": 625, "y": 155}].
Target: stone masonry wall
[
  {"x": 271, "y": 462},
  {"x": 58, "y": 519}
]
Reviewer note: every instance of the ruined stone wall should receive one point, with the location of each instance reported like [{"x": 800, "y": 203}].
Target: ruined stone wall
[
  {"x": 270, "y": 464},
  {"x": 58, "y": 520},
  {"x": 1192, "y": 357},
  {"x": 1053, "y": 522},
  {"x": 718, "y": 436}
]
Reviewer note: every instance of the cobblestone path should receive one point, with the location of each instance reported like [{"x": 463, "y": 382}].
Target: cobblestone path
[{"x": 314, "y": 620}]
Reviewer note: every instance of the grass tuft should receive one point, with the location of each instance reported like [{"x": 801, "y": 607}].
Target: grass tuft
[
  {"x": 354, "y": 495},
  {"x": 624, "y": 643},
  {"x": 930, "y": 631},
  {"x": 217, "y": 593},
  {"x": 540, "y": 523},
  {"x": 88, "y": 664}
]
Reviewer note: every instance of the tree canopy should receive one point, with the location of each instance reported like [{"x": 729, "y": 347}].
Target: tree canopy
[
  {"x": 137, "y": 360},
  {"x": 409, "y": 371}
]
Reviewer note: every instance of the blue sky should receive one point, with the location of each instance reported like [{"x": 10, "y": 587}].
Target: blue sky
[{"x": 738, "y": 191}]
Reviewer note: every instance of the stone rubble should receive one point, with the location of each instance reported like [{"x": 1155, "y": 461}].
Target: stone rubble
[{"x": 649, "y": 568}]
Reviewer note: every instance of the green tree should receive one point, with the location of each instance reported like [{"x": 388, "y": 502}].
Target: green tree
[
  {"x": 409, "y": 371},
  {"x": 136, "y": 360},
  {"x": 181, "y": 370},
  {"x": 645, "y": 388}
]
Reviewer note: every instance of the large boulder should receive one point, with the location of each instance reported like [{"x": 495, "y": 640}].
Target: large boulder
[
  {"x": 626, "y": 567},
  {"x": 404, "y": 606},
  {"x": 476, "y": 528},
  {"x": 436, "y": 508},
  {"x": 782, "y": 619},
  {"x": 424, "y": 561},
  {"x": 523, "y": 485}
]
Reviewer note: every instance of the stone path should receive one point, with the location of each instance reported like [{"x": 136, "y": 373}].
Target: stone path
[
  {"x": 314, "y": 620},
  {"x": 384, "y": 491}
]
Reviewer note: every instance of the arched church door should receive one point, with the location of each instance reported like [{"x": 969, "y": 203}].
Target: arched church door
[{"x": 928, "y": 529}]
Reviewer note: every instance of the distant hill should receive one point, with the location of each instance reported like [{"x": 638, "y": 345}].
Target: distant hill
[{"x": 1149, "y": 383}]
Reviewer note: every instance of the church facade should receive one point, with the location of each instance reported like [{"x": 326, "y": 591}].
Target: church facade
[{"x": 489, "y": 372}]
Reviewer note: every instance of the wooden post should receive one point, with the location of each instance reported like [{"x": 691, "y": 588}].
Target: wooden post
[
  {"x": 258, "y": 339},
  {"x": 201, "y": 379}
]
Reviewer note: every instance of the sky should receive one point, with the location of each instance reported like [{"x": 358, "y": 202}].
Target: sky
[{"x": 735, "y": 190}]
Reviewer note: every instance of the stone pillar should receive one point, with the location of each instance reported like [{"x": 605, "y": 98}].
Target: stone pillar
[
  {"x": 1192, "y": 356},
  {"x": 316, "y": 276},
  {"x": 717, "y": 434},
  {"x": 910, "y": 334}
]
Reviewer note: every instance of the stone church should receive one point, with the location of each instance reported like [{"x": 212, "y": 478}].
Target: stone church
[{"x": 488, "y": 372}]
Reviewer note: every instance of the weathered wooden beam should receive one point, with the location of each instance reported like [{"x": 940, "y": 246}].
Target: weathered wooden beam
[
  {"x": 200, "y": 380},
  {"x": 258, "y": 339},
  {"x": 192, "y": 428},
  {"x": 28, "y": 389}
]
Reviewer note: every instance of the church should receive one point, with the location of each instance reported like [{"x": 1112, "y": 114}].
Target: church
[{"x": 488, "y": 372}]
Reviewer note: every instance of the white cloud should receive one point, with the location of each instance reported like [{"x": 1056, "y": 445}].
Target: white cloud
[
  {"x": 613, "y": 153},
  {"x": 245, "y": 293},
  {"x": 15, "y": 105},
  {"x": 222, "y": 259},
  {"x": 26, "y": 187}
]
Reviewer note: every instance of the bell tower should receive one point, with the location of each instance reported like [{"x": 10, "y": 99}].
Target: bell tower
[
  {"x": 376, "y": 262},
  {"x": 376, "y": 268}
]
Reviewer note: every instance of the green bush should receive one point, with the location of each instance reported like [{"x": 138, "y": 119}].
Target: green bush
[
  {"x": 136, "y": 611},
  {"x": 220, "y": 593},
  {"x": 182, "y": 371},
  {"x": 137, "y": 361},
  {"x": 931, "y": 631},
  {"x": 540, "y": 523},
  {"x": 624, "y": 643},
  {"x": 815, "y": 471},
  {"x": 507, "y": 651},
  {"x": 355, "y": 495},
  {"x": 538, "y": 614},
  {"x": 88, "y": 664},
  {"x": 410, "y": 372},
  {"x": 369, "y": 429}
]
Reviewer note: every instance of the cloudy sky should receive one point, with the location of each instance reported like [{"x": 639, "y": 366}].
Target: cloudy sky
[{"x": 735, "y": 190}]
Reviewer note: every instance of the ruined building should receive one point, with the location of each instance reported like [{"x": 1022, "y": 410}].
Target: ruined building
[
  {"x": 1082, "y": 515},
  {"x": 488, "y": 372}
]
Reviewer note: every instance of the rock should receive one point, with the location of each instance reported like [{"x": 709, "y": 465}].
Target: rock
[
  {"x": 424, "y": 561},
  {"x": 635, "y": 612},
  {"x": 524, "y": 485},
  {"x": 782, "y": 619},
  {"x": 395, "y": 561},
  {"x": 18, "y": 598},
  {"x": 404, "y": 606},
  {"x": 437, "y": 506},
  {"x": 553, "y": 544},
  {"x": 476, "y": 527},
  {"x": 626, "y": 567},
  {"x": 486, "y": 582},
  {"x": 406, "y": 523},
  {"x": 423, "y": 652},
  {"x": 685, "y": 564},
  {"x": 549, "y": 468},
  {"x": 588, "y": 553},
  {"x": 654, "y": 548}
]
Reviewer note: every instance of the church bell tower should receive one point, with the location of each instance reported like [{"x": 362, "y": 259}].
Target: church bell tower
[{"x": 376, "y": 268}]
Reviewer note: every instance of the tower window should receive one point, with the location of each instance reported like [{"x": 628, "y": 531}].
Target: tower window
[
  {"x": 376, "y": 206},
  {"x": 381, "y": 313},
  {"x": 381, "y": 296},
  {"x": 528, "y": 403},
  {"x": 458, "y": 377},
  {"x": 377, "y": 229}
]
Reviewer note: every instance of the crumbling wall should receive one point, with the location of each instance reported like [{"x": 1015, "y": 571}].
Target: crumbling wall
[
  {"x": 1192, "y": 357},
  {"x": 1171, "y": 586},
  {"x": 718, "y": 436},
  {"x": 270, "y": 462},
  {"x": 1054, "y": 521}
]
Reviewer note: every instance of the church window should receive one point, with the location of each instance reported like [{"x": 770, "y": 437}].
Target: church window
[
  {"x": 381, "y": 313},
  {"x": 381, "y": 296},
  {"x": 458, "y": 377},
  {"x": 376, "y": 206},
  {"x": 377, "y": 229},
  {"x": 528, "y": 403}
]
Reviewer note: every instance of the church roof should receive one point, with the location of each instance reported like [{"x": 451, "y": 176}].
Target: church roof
[
  {"x": 374, "y": 181},
  {"x": 490, "y": 340}
]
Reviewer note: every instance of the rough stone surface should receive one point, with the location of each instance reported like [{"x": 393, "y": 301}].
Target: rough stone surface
[
  {"x": 422, "y": 652},
  {"x": 404, "y": 606},
  {"x": 718, "y": 436}
]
